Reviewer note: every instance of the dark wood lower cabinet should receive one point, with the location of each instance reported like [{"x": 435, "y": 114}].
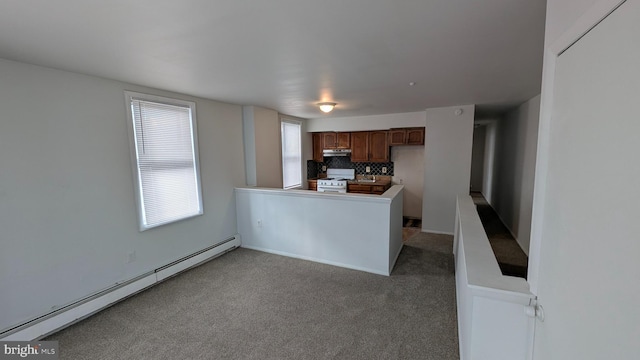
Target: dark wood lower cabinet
[{"x": 367, "y": 188}]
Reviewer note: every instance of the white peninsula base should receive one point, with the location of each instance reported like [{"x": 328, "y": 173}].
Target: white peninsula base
[{"x": 356, "y": 231}]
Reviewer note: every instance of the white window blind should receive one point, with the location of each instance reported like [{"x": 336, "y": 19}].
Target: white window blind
[
  {"x": 165, "y": 144},
  {"x": 291, "y": 154}
]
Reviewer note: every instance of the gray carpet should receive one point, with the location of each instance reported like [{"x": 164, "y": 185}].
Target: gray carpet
[{"x": 252, "y": 305}]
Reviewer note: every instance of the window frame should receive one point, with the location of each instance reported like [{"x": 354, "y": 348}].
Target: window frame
[
  {"x": 139, "y": 198},
  {"x": 284, "y": 120}
]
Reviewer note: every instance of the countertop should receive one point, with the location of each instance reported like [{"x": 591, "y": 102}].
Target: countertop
[{"x": 380, "y": 180}]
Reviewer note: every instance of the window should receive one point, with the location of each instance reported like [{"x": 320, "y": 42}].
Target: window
[
  {"x": 291, "y": 154},
  {"x": 164, "y": 153}
]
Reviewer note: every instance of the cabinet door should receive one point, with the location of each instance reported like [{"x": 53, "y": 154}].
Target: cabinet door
[
  {"x": 359, "y": 188},
  {"x": 360, "y": 146},
  {"x": 397, "y": 137},
  {"x": 378, "y": 146},
  {"x": 415, "y": 136},
  {"x": 317, "y": 147},
  {"x": 343, "y": 140},
  {"x": 329, "y": 140}
]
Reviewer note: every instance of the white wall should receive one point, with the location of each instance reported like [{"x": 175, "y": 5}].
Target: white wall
[
  {"x": 492, "y": 323},
  {"x": 263, "y": 160},
  {"x": 477, "y": 158},
  {"x": 67, "y": 208},
  {"x": 408, "y": 165},
  {"x": 587, "y": 253},
  {"x": 363, "y": 123},
  {"x": 512, "y": 194},
  {"x": 448, "y": 145},
  {"x": 249, "y": 139},
  {"x": 489, "y": 170},
  {"x": 561, "y": 14},
  {"x": 286, "y": 222}
]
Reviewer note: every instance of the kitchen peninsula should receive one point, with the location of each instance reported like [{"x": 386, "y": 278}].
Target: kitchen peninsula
[{"x": 356, "y": 231}]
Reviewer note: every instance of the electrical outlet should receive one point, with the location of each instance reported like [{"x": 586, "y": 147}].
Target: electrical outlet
[
  {"x": 368, "y": 169},
  {"x": 384, "y": 169},
  {"x": 131, "y": 257},
  {"x": 259, "y": 223},
  {"x": 401, "y": 181},
  {"x": 324, "y": 168}
]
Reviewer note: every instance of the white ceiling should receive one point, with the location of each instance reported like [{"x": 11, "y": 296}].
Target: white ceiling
[{"x": 290, "y": 54}]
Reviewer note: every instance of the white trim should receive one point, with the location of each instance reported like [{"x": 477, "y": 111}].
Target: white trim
[
  {"x": 87, "y": 307},
  {"x": 80, "y": 312},
  {"x": 437, "y": 232},
  {"x": 318, "y": 260},
  {"x": 386, "y": 197},
  {"x": 129, "y": 96},
  {"x": 193, "y": 261},
  {"x": 392, "y": 264},
  {"x": 583, "y": 25},
  {"x": 302, "y": 177}
]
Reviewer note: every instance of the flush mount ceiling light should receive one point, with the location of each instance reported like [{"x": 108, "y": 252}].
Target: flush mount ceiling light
[{"x": 326, "y": 106}]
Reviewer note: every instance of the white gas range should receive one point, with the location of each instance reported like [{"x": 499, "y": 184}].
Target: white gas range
[{"x": 336, "y": 180}]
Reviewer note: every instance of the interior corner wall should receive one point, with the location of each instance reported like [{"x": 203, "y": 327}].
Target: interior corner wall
[
  {"x": 512, "y": 199},
  {"x": 561, "y": 14},
  {"x": 264, "y": 161},
  {"x": 408, "y": 165},
  {"x": 477, "y": 158},
  {"x": 67, "y": 208},
  {"x": 249, "y": 137},
  {"x": 448, "y": 147},
  {"x": 489, "y": 170}
]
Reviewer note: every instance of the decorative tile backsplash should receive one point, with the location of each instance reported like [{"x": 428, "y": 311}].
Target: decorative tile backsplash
[{"x": 314, "y": 169}]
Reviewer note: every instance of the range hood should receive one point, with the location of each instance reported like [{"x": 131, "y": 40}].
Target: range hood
[{"x": 336, "y": 152}]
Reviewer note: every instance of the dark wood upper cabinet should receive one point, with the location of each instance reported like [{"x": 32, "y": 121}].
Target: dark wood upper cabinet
[
  {"x": 366, "y": 146},
  {"x": 344, "y": 140},
  {"x": 317, "y": 147},
  {"x": 336, "y": 140},
  {"x": 397, "y": 137},
  {"x": 415, "y": 136},
  {"x": 378, "y": 146},
  {"x": 360, "y": 146},
  {"x": 329, "y": 140},
  {"x": 406, "y": 136}
]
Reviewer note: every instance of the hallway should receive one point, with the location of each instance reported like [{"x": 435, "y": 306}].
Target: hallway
[{"x": 511, "y": 259}]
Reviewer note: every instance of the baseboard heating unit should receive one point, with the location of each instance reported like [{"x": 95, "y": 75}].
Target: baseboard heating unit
[{"x": 85, "y": 307}]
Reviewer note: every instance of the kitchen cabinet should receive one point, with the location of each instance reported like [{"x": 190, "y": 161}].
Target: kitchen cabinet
[
  {"x": 317, "y": 147},
  {"x": 336, "y": 140},
  {"x": 376, "y": 189},
  {"x": 407, "y": 136},
  {"x": 360, "y": 146},
  {"x": 378, "y": 146},
  {"x": 397, "y": 137},
  {"x": 415, "y": 136},
  {"x": 369, "y": 146}
]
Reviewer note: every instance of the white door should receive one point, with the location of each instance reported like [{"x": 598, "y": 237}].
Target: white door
[{"x": 589, "y": 269}]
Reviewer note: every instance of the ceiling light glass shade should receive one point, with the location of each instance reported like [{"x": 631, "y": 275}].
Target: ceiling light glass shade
[{"x": 326, "y": 106}]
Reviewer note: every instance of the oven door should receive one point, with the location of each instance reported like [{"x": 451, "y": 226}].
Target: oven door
[{"x": 330, "y": 188}]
